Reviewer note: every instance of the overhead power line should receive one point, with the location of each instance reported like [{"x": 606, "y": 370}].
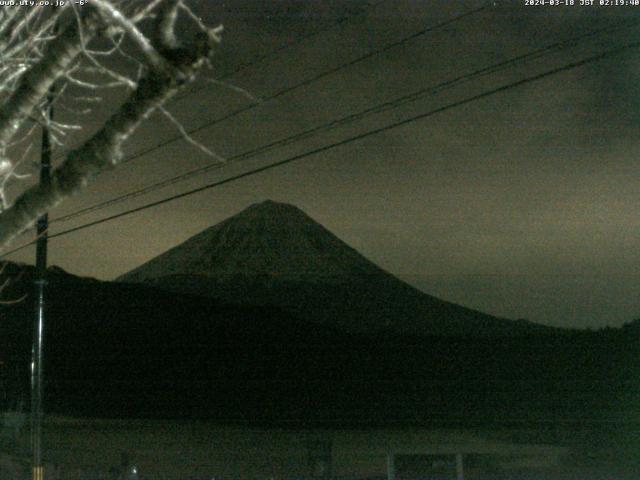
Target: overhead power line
[
  {"x": 273, "y": 54},
  {"x": 313, "y": 79},
  {"x": 361, "y": 136},
  {"x": 536, "y": 54},
  {"x": 305, "y": 82},
  {"x": 261, "y": 58},
  {"x": 324, "y": 74}
]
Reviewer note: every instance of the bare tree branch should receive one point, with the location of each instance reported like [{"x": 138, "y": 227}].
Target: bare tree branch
[
  {"x": 170, "y": 67},
  {"x": 35, "y": 83},
  {"x": 207, "y": 151},
  {"x": 117, "y": 18}
]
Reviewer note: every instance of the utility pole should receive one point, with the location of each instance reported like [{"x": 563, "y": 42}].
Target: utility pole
[{"x": 37, "y": 354}]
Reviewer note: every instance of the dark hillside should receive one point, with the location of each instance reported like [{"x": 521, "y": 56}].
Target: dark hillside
[
  {"x": 130, "y": 350},
  {"x": 273, "y": 254}
]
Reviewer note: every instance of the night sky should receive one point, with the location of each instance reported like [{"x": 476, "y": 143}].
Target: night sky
[{"x": 523, "y": 204}]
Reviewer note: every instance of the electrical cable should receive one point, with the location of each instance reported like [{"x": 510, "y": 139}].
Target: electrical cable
[
  {"x": 536, "y": 54},
  {"x": 311, "y": 80},
  {"x": 488, "y": 93}
]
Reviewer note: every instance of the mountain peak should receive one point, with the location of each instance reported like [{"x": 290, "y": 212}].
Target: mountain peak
[
  {"x": 270, "y": 239},
  {"x": 273, "y": 254},
  {"x": 272, "y": 206},
  {"x": 271, "y": 210}
]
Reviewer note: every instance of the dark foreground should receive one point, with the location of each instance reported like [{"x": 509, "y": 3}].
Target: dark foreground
[{"x": 91, "y": 449}]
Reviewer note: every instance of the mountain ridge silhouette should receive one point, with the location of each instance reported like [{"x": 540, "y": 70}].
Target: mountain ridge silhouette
[{"x": 273, "y": 254}]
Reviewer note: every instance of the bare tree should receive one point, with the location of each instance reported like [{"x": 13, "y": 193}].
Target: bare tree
[
  {"x": 66, "y": 47},
  {"x": 65, "y": 56}
]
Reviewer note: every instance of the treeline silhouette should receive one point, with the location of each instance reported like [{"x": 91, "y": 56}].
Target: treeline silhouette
[{"x": 118, "y": 350}]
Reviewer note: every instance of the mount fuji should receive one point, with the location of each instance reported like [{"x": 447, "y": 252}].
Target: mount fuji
[
  {"x": 268, "y": 318},
  {"x": 274, "y": 255}
]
